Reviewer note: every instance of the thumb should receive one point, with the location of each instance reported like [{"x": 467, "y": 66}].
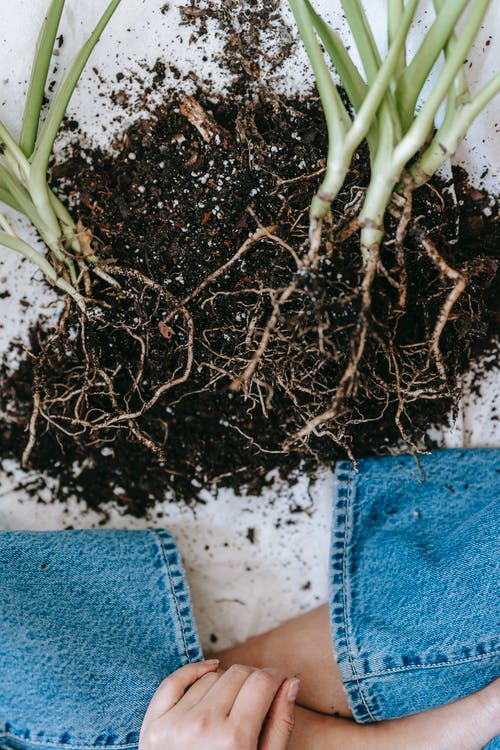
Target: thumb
[{"x": 280, "y": 721}]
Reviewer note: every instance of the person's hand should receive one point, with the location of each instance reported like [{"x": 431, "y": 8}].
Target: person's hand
[{"x": 241, "y": 709}]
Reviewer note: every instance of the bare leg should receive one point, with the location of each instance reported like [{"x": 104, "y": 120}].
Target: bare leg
[
  {"x": 301, "y": 647},
  {"x": 468, "y": 724}
]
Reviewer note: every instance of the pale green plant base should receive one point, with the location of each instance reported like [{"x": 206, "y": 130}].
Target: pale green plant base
[
  {"x": 385, "y": 103},
  {"x": 23, "y": 165}
]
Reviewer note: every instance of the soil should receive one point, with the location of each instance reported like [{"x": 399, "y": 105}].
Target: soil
[{"x": 177, "y": 201}]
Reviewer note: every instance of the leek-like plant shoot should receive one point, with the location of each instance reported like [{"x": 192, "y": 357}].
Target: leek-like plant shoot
[
  {"x": 406, "y": 148},
  {"x": 23, "y": 165}
]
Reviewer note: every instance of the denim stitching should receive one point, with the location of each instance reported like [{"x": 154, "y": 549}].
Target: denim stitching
[
  {"x": 187, "y": 629},
  {"x": 160, "y": 540},
  {"x": 356, "y": 683},
  {"x": 39, "y": 743},
  {"x": 181, "y": 588},
  {"x": 186, "y": 624},
  {"x": 415, "y": 667},
  {"x": 169, "y": 573},
  {"x": 344, "y": 596},
  {"x": 337, "y": 588}
]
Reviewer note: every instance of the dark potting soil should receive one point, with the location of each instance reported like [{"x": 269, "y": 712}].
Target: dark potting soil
[{"x": 182, "y": 193}]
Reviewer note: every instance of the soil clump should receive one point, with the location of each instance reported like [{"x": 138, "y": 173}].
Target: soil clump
[{"x": 201, "y": 213}]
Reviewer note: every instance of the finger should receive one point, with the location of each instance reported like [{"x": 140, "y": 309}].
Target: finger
[
  {"x": 222, "y": 695},
  {"x": 173, "y": 687},
  {"x": 255, "y": 699},
  {"x": 199, "y": 690},
  {"x": 467, "y": 724},
  {"x": 280, "y": 720}
]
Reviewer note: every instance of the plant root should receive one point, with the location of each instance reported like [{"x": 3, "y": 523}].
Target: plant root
[
  {"x": 309, "y": 262},
  {"x": 242, "y": 380},
  {"x": 315, "y": 232},
  {"x": 347, "y": 382},
  {"x": 200, "y": 119},
  {"x": 460, "y": 283},
  {"x": 103, "y": 394},
  {"x": 32, "y": 428},
  {"x": 255, "y": 237},
  {"x": 267, "y": 343}
]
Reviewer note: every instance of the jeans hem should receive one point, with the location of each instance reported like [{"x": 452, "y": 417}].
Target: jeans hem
[
  {"x": 186, "y": 636},
  {"x": 339, "y": 591},
  {"x": 364, "y": 674},
  {"x": 18, "y": 742},
  {"x": 180, "y": 589}
]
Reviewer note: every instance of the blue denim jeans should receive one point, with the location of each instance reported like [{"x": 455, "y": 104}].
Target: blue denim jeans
[
  {"x": 415, "y": 580},
  {"x": 90, "y": 623}
]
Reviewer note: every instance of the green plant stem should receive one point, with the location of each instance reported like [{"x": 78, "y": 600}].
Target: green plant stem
[
  {"x": 12, "y": 153},
  {"x": 23, "y": 173},
  {"x": 13, "y": 242},
  {"x": 355, "y": 86},
  {"x": 337, "y": 118},
  {"x": 459, "y": 93},
  {"x": 336, "y": 115},
  {"x": 49, "y": 130},
  {"x": 395, "y": 9},
  {"x": 461, "y": 90},
  {"x": 18, "y": 195},
  {"x": 434, "y": 156},
  {"x": 378, "y": 195},
  {"x": 350, "y": 76},
  {"x": 6, "y": 197},
  {"x": 384, "y": 181},
  {"x": 448, "y": 137},
  {"x": 21, "y": 201},
  {"x": 416, "y": 73},
  {"x": 368, "y": 50},
  {"x": 365, "y": 42},
  {"x": 40, "y": 194},
  {"x": 39, "y": 73},
  {"x": 36, "y": 207},
  {"x": 71, "y": 235},
  {"x": 423, "y": 123},
  {"x": 30, "y": 193},
  {"x": 385, "y": 106},
  {"x": 371, "y": 217},
  {"x": 66, "y": 222},
  {"x": 380, "y": 85},
  {"x": 339, "y": 165}
]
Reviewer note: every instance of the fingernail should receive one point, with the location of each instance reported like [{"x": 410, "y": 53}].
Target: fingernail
[
  {"x": 293, "y": 690},
  {"x": 212, "y": 662}
]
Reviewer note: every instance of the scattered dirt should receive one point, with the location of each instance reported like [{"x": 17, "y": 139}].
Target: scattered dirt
[
  {"x": 187, "y": 188},
  {"x": 211, "y": 363},
  {"x": 256, "y": 39}
]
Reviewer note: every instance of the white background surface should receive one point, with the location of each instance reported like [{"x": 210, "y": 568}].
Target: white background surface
[{"x": 238, "y": 587}]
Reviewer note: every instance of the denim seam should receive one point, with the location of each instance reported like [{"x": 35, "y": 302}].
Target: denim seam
[
  {"x": 416, "y": 667},
  {"x": 338, "y": 592},
  {"x": 368, "y": 673},
  {"x": 186, "y": 624},
  {"x": 56, "y": 745},
  {"x": 348, "y": 507},
  {"x": 169, "y": 573},
  {"x": 165, "y": 545}
]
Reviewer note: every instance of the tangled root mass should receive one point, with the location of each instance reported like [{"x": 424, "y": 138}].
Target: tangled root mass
[{"x": 226, "y": 352}]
